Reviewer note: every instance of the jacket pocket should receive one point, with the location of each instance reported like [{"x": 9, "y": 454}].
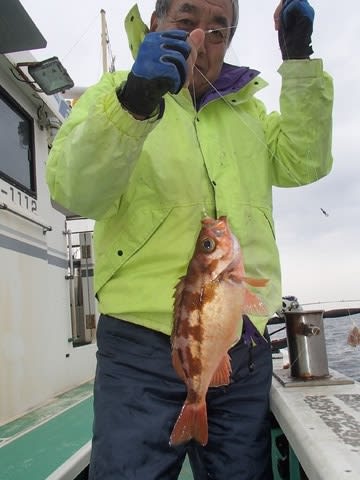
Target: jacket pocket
[{"x": 130, "y": 232}]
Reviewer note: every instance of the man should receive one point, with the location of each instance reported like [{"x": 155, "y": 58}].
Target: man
[{"x": 145, "y": 154}]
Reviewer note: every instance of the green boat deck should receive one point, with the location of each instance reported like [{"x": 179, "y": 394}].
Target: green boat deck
[
  {"x": 53, "y": 441},
  {"x": 38, "y": 443}
]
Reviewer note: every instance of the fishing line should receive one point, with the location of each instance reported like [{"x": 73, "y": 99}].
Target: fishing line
[
  {"x": 277, "y": 331},
  {"x": 329, "y": 301},
  {"x": 239, "y": 116},
  {"x": 211, "y": 30},
  {"x": 302, "y": 351},
  {"x": 272, "y": 154},
  {"x": 91, "y": 24}
]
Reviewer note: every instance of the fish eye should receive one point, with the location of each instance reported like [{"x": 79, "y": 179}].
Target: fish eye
[{"x": 208, "y": 245}]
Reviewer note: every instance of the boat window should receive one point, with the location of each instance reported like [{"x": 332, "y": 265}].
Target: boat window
[{"x": 17, "y": 162}]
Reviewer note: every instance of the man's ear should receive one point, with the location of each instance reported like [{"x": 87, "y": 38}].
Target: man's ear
[{"x": 154, "y": 23}]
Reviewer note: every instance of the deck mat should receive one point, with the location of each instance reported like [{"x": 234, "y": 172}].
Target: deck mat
[
  {"x": 186, "y": 473},
  {"x": 37, "y": 453},
  {"x": 46, "y": 437},
  {"x": 39, "y": 415}
]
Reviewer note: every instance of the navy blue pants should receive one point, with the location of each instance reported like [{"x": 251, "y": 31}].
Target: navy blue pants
[{"x": 138, "y": 396}]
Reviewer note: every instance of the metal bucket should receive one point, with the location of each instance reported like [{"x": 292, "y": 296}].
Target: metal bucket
[{"x": 306, "y": 344}]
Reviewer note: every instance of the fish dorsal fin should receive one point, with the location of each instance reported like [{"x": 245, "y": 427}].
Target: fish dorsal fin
[
  {"x": 222, "y": 373},
  {"x": 178, "y": 297}
]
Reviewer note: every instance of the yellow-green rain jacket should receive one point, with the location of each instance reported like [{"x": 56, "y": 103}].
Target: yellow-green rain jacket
[{"x": 148, "y": 183}]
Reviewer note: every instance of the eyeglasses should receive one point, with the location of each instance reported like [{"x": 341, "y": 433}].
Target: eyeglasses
[{"x": 217, "y": 35}]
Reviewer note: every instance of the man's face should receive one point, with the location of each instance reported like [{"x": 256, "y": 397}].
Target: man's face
[{"x": 208, "y": 15}]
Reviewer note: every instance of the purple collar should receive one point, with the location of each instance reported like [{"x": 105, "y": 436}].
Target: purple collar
[{"x": 231, "y": 79}]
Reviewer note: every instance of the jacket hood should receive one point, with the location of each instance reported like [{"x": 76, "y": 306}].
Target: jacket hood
[{"x": 136, "y": 29}]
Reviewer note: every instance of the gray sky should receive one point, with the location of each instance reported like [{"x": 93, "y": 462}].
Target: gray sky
[{"x": 320, "y": 254}]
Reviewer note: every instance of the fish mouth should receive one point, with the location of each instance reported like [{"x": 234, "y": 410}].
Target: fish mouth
[
  {"x": 218, "y": 227},
  {"x": 211, "y": 222}
]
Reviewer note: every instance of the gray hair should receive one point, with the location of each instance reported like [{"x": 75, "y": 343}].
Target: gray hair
[{"x": 162, "y": 7}]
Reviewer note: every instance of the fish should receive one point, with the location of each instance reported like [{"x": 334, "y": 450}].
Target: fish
[
  {"x": 354, "y": 337},
  {"x": 209, "y": 302}
]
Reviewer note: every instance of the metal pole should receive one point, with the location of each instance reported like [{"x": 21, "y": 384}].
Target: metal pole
[
  {"x": 104, "y": 40},
  {"x": 71, "y": 279}
]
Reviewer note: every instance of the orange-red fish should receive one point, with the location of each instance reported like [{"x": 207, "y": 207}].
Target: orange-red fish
[{"x": 209, "y": 302}]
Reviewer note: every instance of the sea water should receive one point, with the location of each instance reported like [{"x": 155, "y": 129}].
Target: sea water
[{"x": 341, "y": 356}]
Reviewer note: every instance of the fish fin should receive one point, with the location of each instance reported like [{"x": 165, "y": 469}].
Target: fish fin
[
  {"x": 253, "y": 305},
  {"x": 191, "y": 423},
  {"x": 178, "y": 296},
  {"x": 256, "y": 282},
  {"x": 177, "y": 364},
  {"x": 222, "y": 373}
]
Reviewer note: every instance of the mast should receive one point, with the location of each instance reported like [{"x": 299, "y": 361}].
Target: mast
[{"x": 104, "y": 40}]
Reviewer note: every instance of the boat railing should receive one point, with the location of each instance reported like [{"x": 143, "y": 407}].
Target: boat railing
[
  {"x": 82, "y": 296},
  {"x": 46, "y": 228}
]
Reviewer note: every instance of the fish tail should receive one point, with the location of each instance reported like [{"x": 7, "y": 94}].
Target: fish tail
[{"x": 191, "y": 423}]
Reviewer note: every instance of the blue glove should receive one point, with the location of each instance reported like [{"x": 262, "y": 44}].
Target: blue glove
[
  {"x": 160, "y": 67},
  {"x": 296, "y": 27}
]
